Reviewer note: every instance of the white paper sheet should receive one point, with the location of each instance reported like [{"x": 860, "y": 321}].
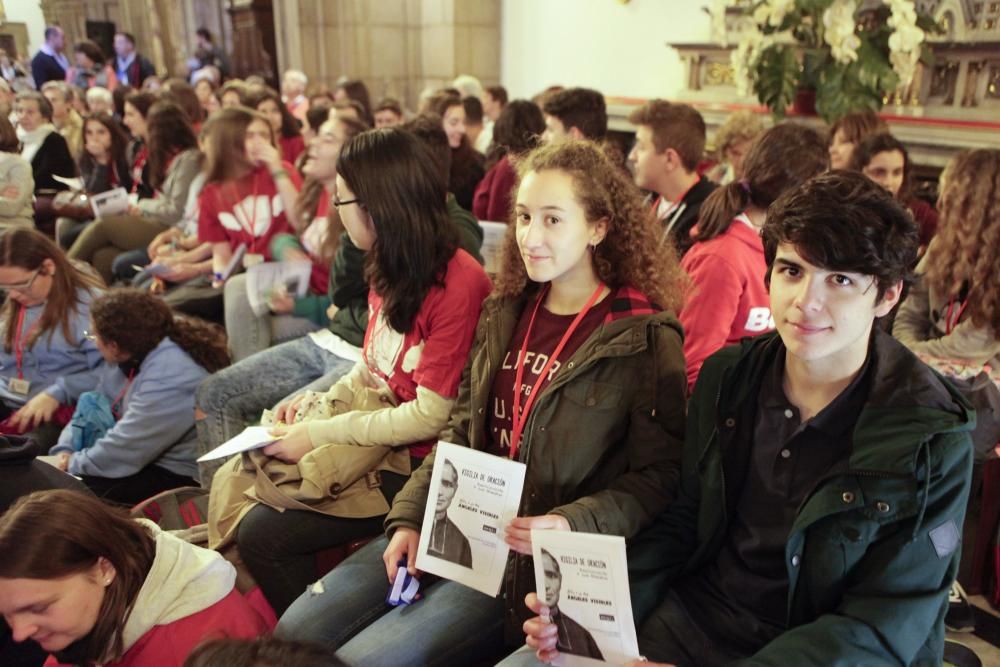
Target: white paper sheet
[
  {"x": 112, "y": 202},
  {"x": 472, "y": 496},
  {"x": 493, "y": 233},
  {"x": 253, "y": 437},
  {"x": 264, "y": 278},
  {"x": 583, "y": 579}
]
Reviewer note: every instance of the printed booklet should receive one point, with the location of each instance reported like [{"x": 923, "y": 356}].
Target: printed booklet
[
  {"x": 472, "y": 497},
  {"x": 583, "y": 580}
]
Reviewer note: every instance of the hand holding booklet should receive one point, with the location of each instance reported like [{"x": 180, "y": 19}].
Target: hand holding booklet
[
  {"x": 583, "y": 579},
  {"x": 472, "y": 496},
  {"x": 253, "y": 437}
]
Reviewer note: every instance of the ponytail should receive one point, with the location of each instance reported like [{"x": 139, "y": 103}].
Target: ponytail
[
  {"x": 719, "y": 209},
  {"x": 782, "y": 158},
  {"x": 202, "y": 341}
]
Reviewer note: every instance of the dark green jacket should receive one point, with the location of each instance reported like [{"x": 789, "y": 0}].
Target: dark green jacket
[
  {"x": 348, "y": 289},
  {"x": 874, "y": 548},
  {"x": 602, "y": 444}
]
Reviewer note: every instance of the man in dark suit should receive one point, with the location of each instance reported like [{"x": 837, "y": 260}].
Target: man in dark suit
[
  {"x": 130, "y": 66},
  {"x": 573, "y": 637},
  {"x": 447, "y": 541},
  {"x": 50, "y": 63}
]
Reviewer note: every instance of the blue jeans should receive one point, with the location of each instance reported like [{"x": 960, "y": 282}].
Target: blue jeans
[
  {"x": 451, "y": 625},
  {"x": 235, "y": 396}
]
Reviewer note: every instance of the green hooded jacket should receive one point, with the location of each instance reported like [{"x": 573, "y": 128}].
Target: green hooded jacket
[
  {"x": 875, "y": 545},
  {"x": 602, "y": 444}
]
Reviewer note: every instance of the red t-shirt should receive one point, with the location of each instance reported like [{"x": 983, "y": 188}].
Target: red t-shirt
[
  {"x": 545, "y": 336},
  {"x": 433, "y": 352},
  {"x": 319, "y": 279},
  {"x": 247, "y": 211},
  {"x": 291, "y": 148}
]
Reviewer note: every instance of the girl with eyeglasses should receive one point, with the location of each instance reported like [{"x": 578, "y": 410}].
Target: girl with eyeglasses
[
  {"x": 155, "y": 361},
  {"x": 424, "y": 302},
  {"x": 45, "y": 360}
]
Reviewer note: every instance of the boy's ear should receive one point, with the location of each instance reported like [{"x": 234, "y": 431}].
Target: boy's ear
[{"x": 889, "y": 299}]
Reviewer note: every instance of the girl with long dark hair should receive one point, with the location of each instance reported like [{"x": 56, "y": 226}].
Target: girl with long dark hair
[
  {"x": 518, "y": 129},
  {"x": 467, "y": 164},
  {"x": 424, "y": 302},
  {"x": 286, "y": 128},
  {"x": 174, "y": 160}
]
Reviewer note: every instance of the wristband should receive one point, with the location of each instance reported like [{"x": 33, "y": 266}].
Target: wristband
[
  {"x": 279, "y": 173},
  {"x": 217, "y": 276}
]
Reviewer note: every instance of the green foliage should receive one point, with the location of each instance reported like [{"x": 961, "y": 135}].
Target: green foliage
[{"x": 777, "y": 78}]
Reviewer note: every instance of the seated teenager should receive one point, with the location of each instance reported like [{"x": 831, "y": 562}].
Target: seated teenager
[
  {"x": 174, "y": 161},
  {"x": 467, "y": 164},
  {"x": 355, "y": 90},
  {"x": 314, "y": 362},
  {"x": 575, "y": 113},
  {"x": 848, "y": 131},
  {"x": 46, "y": 362},
  {"x": 249, "y": 193},
  {"x": 727, "y": 298},
  {"x": 388, "y": 113},
  {"x": 92, "y": 586},
  {"x": 156, "y": 362},
  {"x": 289, "y": 316},
  {"x": 826, "y": 469},
  {"x": 425, "y": 299},
  {"x": 883, "y": 158},
  {"x": 135, "y": 107},
  {"x": 103, "y": 166},
  {"x": 584, "y": 283},
  {"x": 952, "y": 309},
  {"x": 286, "y": 128},
  {"x": 518, "y": 129},
  {"x": 669, "y": 144}
]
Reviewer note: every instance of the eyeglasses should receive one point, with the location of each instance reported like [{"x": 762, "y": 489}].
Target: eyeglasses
[
  {"x": 22, "y": 287},
  {"x": 337, "y": 203},
  {"x": 90, "y": 336}
]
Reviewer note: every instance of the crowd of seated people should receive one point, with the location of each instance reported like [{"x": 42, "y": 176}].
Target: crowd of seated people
[{"x": 730, "y": 397}]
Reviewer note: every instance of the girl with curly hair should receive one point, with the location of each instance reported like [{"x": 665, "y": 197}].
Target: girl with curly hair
[
  {"x": 577, "y": 371},
  {"x": 155, "y": 363},
  {"x": 953, "y": 309},
  {"x": 727, "y": 299}
]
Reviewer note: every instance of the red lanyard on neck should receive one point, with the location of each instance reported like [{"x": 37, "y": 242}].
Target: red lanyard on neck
[
  {"x": 950, "y": 324},
  {"x": 518, "y": 418},
  {"x": 115, "y": 405},
  {"x": 20, "y": 340},
  {"x": 138, "y": 166}
]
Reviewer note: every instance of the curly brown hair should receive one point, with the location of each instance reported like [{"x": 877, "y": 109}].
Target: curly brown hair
[
  {"x": 630, "y": 254},
  {"x": 965, "y": 249},
  {"x": 136, "y": 321}
]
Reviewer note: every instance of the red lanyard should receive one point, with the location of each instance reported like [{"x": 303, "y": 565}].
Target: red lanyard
[
  {"x": 518, "y": 418},
  {"x": 20, "y": 342},
  {"x": 114, "y": 405},
  {"x": 140, "y": 164},
  {"x": 949, "y": 324}
]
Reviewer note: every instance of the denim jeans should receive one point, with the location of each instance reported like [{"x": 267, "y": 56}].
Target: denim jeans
[
  {"x": 250, "y": 333},
  {"x": 451, "y": 625},
  {"x": 235, "y": 396}
]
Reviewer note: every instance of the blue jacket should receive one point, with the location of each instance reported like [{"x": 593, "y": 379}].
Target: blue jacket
[
  {"x": 156, "y": 423},
  {"x": 60, "y": 368}
]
